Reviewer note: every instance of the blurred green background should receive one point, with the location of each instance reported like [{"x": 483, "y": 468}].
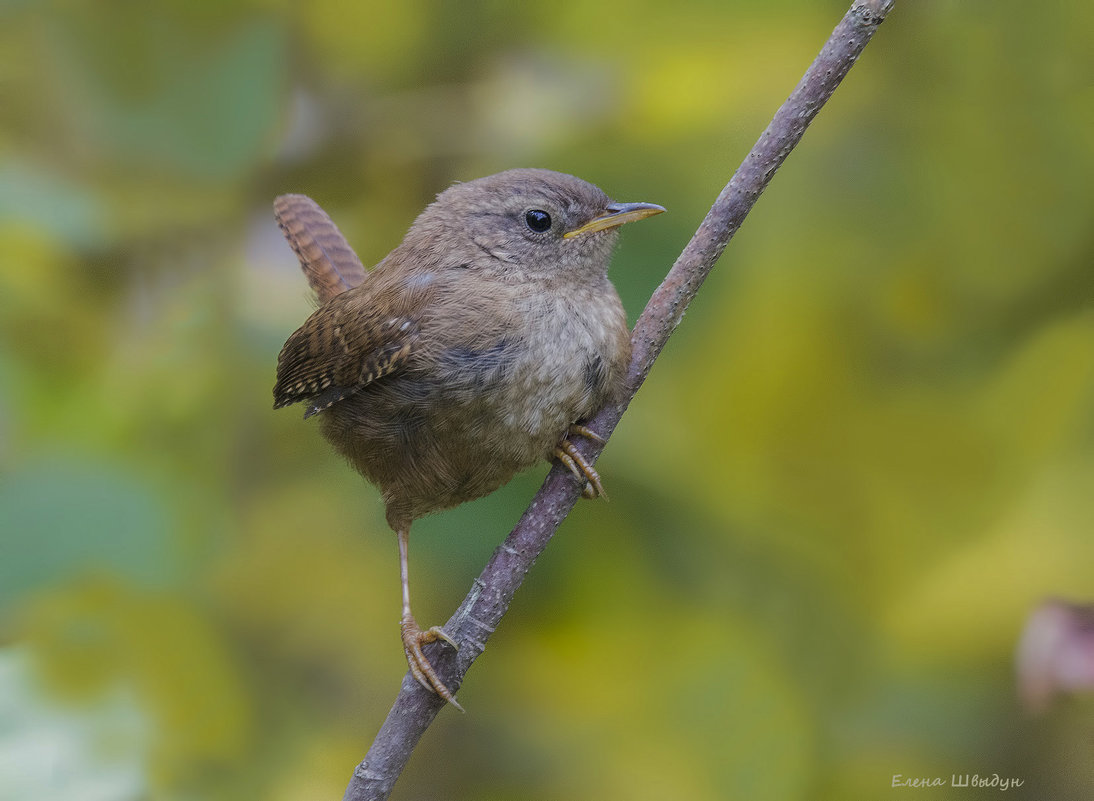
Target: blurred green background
[{"x": 862, "y": 460}]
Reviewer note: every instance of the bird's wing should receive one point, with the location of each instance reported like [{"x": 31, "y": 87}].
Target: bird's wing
[
  {"x": 344, "y": 346},
  {"x": 327, "y": 260}
]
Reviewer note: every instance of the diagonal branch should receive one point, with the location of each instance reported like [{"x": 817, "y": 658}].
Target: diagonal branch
[{"x": 475, "y": 620}]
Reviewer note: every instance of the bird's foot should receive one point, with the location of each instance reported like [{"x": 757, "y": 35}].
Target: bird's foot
[
  {"x": 577, "y": 464},
  {"x": 413, "y": 640},
  {"x": 588, "y": 433}
]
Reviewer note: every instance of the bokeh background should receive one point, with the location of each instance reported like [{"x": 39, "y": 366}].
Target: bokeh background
[{"x": 863, "y": 459}]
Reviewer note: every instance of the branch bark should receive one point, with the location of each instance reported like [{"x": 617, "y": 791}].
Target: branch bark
[{"x": 479, "y": 614}]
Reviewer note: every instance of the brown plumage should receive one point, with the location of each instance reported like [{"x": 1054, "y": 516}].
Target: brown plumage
[
  {"x": 469, "y": 352},
  {"x": 327, "y": 260}
]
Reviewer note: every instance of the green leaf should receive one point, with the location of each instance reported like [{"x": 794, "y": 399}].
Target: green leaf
[{"x": 63, "y": 518}]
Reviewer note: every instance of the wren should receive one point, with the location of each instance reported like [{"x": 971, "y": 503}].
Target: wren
[{"x": 469, "y": 353}]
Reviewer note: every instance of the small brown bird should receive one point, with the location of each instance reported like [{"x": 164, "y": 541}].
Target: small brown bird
[{"x": 469, "y": 353}]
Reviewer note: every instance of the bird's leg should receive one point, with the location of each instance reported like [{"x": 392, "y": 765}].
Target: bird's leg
[
  {"x": 571, "y": 457},
  {"x": 414, "y": 638}
]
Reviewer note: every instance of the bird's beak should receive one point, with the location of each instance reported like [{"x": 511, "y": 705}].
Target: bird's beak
[{"x": 616, "y": 214}]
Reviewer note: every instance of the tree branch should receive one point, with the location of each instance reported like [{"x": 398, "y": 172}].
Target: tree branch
[{"x": 479, "y": 614}]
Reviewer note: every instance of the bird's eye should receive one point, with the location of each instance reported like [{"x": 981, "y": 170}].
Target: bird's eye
[{"x": 537, "y": 220}]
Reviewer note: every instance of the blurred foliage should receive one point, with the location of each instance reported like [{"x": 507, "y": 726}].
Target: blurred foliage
[{"x": 862, "y": 460}]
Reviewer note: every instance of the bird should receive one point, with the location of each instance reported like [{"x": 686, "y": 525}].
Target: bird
[{"x": 473, "y": 350}]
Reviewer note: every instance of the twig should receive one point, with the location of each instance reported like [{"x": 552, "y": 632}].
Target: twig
[{"x": 477, "y": 617}]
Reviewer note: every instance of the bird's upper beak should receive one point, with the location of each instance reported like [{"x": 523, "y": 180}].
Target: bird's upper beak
[{"x": 616, "y": 214}]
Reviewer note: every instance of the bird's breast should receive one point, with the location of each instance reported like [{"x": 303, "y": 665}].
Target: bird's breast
[{"x": 555, "y": 359}]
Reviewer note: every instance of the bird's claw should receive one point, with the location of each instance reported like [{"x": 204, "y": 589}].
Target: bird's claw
[
  {"x": 567, "y": 453},
  {"x": 588, "y": 433},
  {"x": 413, "y": 640}
]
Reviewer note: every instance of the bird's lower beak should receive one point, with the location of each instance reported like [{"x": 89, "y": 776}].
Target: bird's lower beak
[{"x": 616, "y": 214}]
